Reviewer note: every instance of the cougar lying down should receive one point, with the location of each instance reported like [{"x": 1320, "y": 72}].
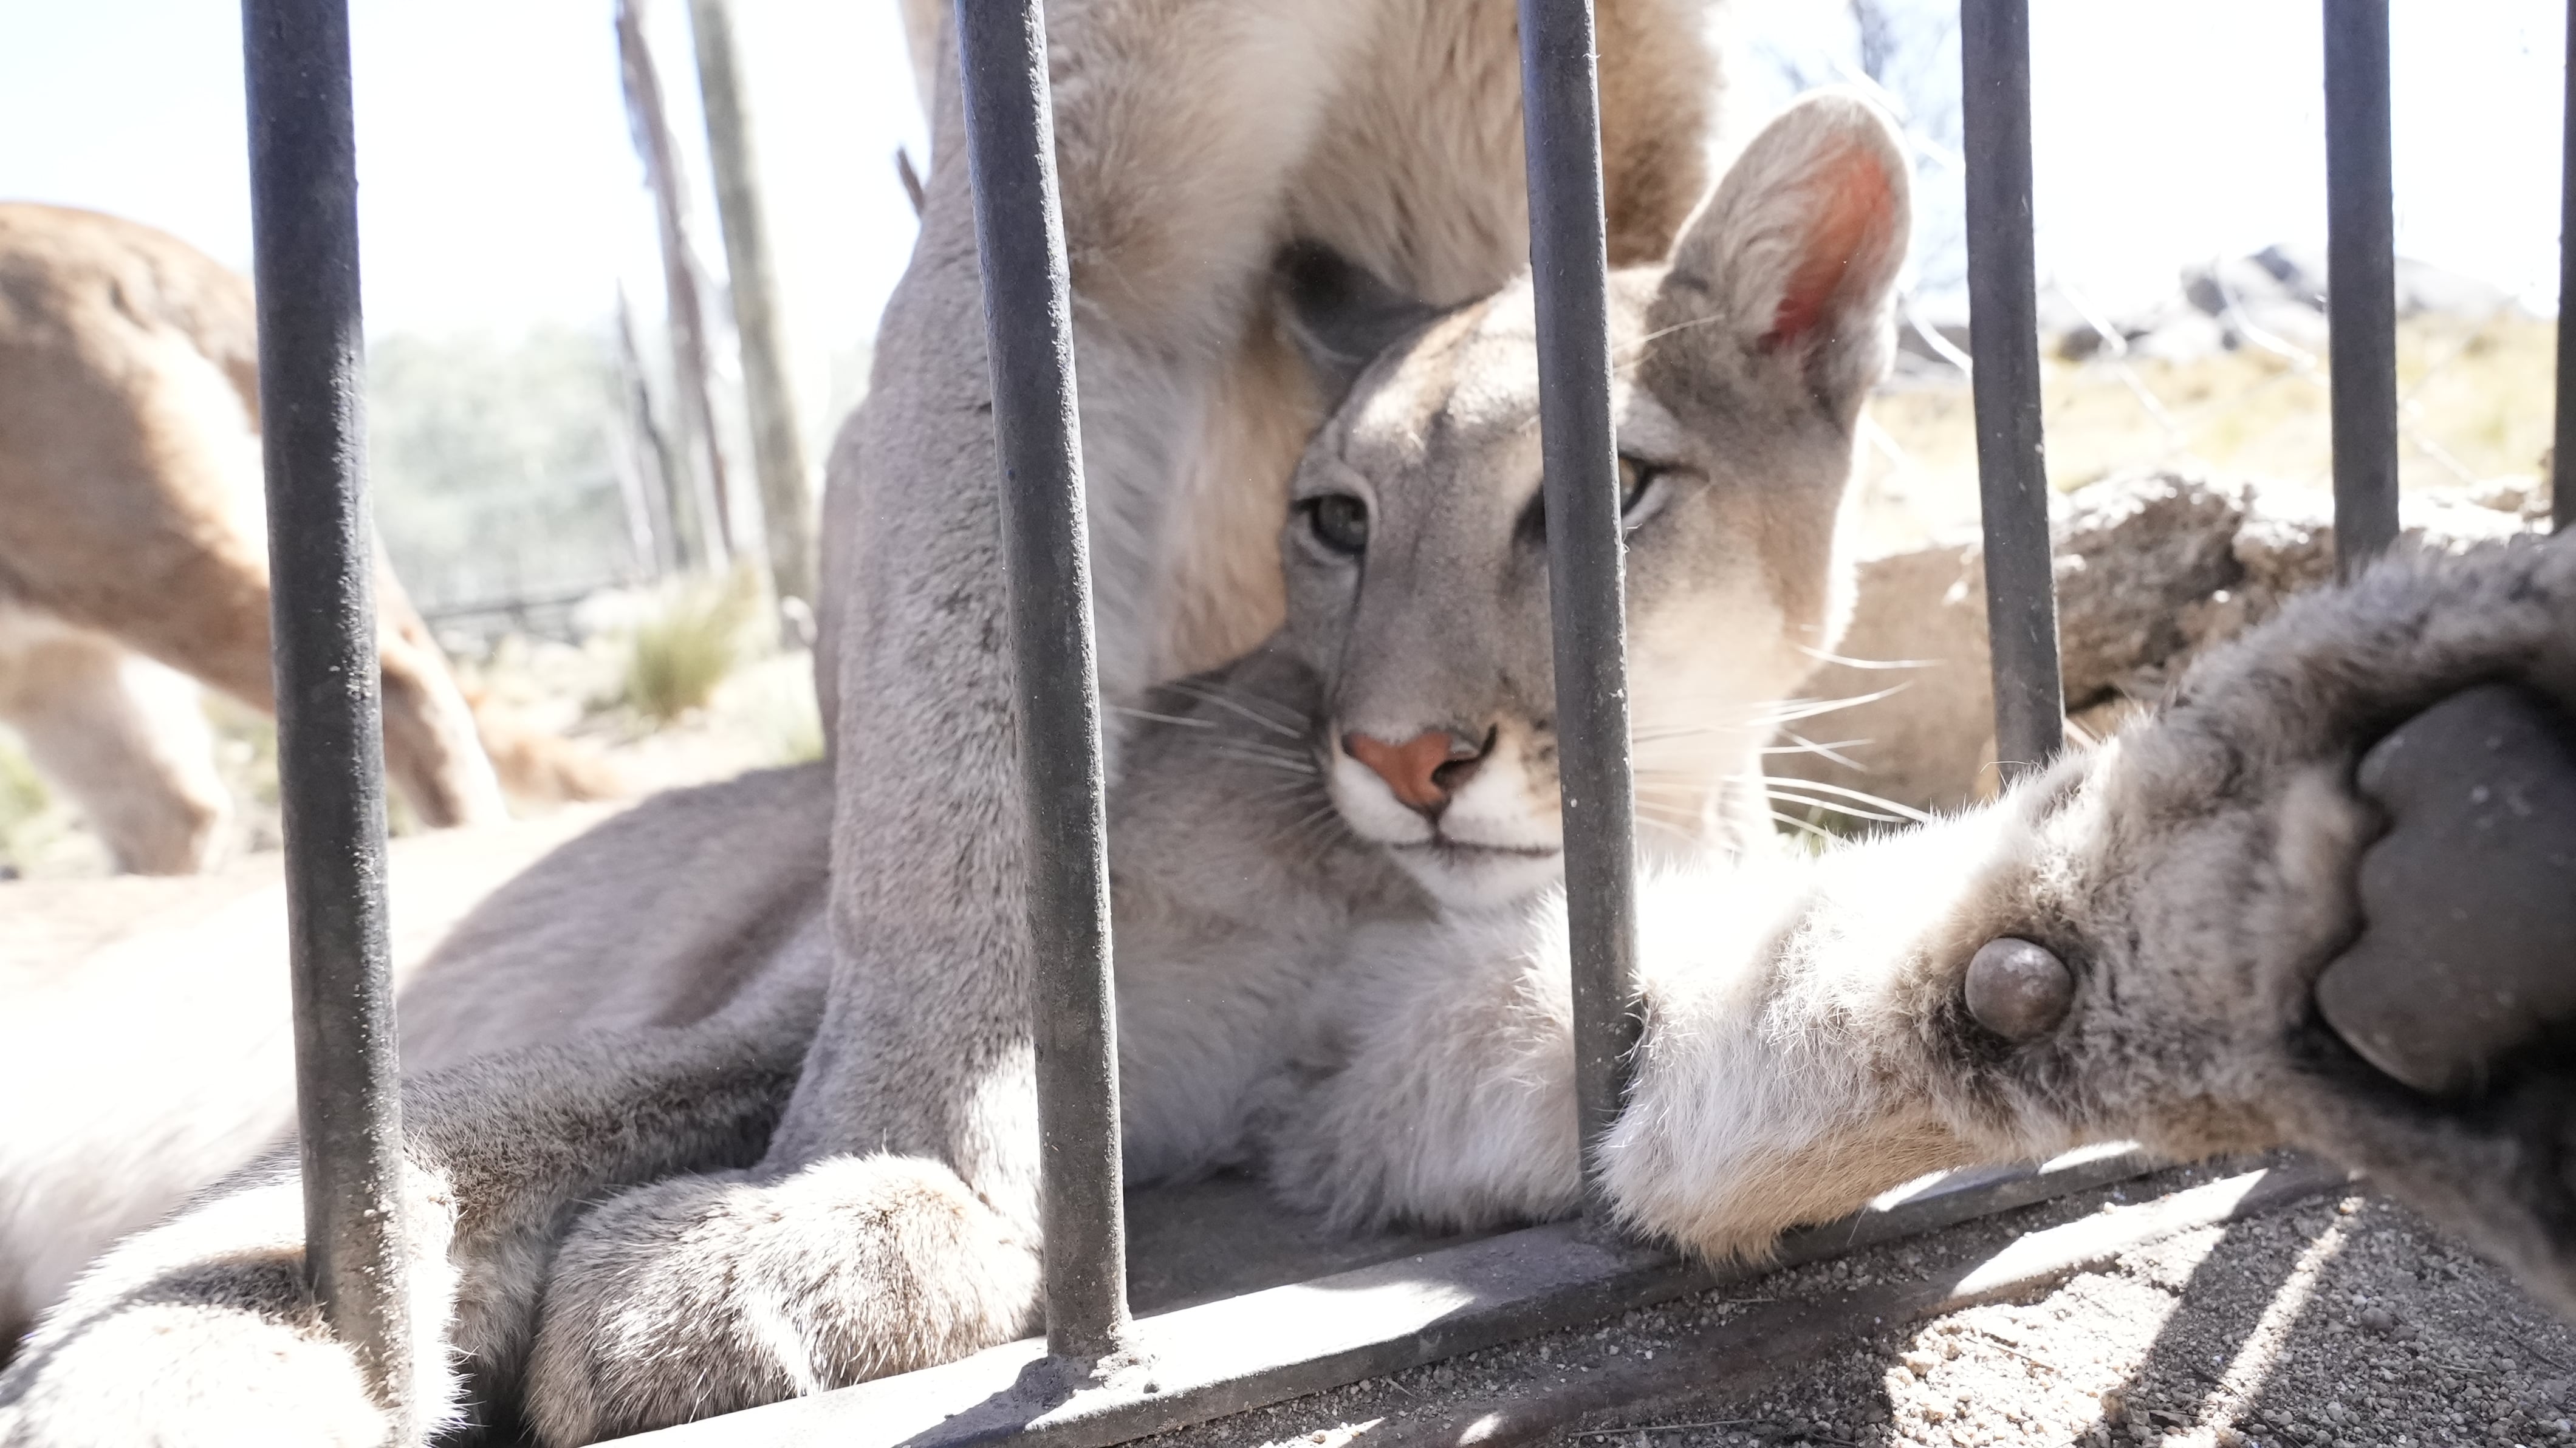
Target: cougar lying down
[
  {"x": 597, "y": 1246},
  {"x": 1255, "y": 821},
  {"x": 133, "y": 556}
]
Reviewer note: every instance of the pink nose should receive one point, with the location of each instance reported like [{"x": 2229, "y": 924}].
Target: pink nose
[{"x": 1423, "y": 769}]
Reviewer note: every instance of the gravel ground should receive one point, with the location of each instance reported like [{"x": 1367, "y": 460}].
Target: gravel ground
[{"x": 2334, "y": 1323}]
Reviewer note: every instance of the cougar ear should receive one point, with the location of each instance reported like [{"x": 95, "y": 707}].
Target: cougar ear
[
  {"x": 1339, "y": 313},
  {"x": 1793, "y": 262}
]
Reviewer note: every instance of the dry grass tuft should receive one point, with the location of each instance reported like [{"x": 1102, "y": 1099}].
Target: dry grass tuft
[{"x": 678, "y": 654}]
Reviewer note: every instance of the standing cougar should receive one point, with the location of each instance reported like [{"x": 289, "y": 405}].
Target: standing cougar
[{"x": 132, "y": 551}]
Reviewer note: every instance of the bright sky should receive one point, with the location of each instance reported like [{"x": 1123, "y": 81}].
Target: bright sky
[{"x": 499, "y": 187}]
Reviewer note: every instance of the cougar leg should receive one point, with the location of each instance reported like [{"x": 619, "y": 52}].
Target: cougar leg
[
  {"x": 1177, "y": 126},
  {"x": 124, "y": 736},
  {"x": 1440, "y": 1091},
  {"x": 203, "y": 1324},
  {"x": 2170, "y": 904},
  {"x": 432, "y": 749}
]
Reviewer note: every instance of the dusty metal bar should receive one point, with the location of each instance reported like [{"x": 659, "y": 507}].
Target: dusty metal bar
[
  {"x": 2564, "y": 447},
  {"x": 1028, "y": 321},
  {"x": 1586, "y": 544},
  {"x": 2361, "y": 280},
  {"x": 330, "y": 743},
  {"x": 2003, "y": 340}
]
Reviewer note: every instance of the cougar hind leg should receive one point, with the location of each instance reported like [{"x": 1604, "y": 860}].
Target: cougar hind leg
[
  {"x": 124, "y": 736},
  {"x": 203, "y": 1325}
]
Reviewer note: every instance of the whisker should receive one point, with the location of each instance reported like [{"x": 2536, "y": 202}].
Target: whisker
[
  {"x": 1220, "y": 699},
  {"x": 1828, "y": 751},
  {"x": 1791, "y": 710},
  {"x": 1847, "y": 811},
  {"x": 1288, "y": 763},
  {"x": 1830, "y": 657},
  {"x": 1861, "y": 795},
  {"x": 1795, "y": 823},
  {"x": 1135, "y": 713}
]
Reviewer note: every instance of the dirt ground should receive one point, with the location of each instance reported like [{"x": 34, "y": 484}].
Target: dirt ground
[{"x": 2342, "y": 1321}]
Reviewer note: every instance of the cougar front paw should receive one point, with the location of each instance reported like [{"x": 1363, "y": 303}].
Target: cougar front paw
[
  {"x": 705, "y": 1294},
  {"x": 2327, "y": 896}
]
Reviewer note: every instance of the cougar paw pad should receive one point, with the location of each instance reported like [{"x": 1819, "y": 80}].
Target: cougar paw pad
[
  {"x": 2467, "y": 955},
  {"x": 2018, "y": 990}
]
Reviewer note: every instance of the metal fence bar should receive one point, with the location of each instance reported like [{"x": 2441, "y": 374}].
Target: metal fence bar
[
  {"x": 2563, "y": 448},
  {"x": 1586, "y": 543},
  {"x": 2003, "y": 340},
  {"x": 2361, "y": 281},
  {"x": 1028, "y": 321},
  {"x": 330, "y": 743}
]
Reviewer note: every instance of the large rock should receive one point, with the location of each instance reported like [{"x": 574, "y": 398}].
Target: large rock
[{"x": 2150, "y": 569}]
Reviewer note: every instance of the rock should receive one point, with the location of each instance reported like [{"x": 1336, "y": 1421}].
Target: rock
[{"x": 2151, "y": 569}]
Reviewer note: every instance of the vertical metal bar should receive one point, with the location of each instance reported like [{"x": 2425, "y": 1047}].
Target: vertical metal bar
[
  {"x": 2003, "y": 336},
  {"x": 2562, "y": 454},
  {"x": 330, "y": 745},
  {"x": 2361, "y": 281},
  {"x": 1028, "y": 321},
  {"x": 1586, "y": 545}
]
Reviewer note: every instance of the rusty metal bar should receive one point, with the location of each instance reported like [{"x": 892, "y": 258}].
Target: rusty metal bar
[
  {"x": 330, "y": 742},
  {"x": 1586, "y": 547},
  {"x": 2003, "y": 322},
  {"x": 1028, "y": 321},
  {"x": 2361, "y": 281}
]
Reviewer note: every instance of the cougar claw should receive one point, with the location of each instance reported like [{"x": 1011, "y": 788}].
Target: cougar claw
[
  {"x": 2469, "y": 901},
  {"x": 2018, "y": 990}
]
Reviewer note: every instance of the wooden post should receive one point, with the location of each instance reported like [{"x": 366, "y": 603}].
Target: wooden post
[
  {"x": 777, "y": 450},
  {"x": 707, "y": 533}
]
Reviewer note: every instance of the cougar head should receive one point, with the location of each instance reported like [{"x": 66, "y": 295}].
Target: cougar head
[{"x": 1415, "y": 549}]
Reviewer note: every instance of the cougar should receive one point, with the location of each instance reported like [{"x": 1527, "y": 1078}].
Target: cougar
[
  {"x": 134, "y": 560},
  {"x": 1262, "y": 802},
  {"x": 600, "y": 1241}
]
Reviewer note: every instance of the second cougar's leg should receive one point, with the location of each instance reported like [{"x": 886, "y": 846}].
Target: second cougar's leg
[
  {"x": 895, "y": 1220},
  {"x": 124, "y": 735}
]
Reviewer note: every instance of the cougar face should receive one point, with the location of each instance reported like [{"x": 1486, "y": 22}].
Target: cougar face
[{"x": 1416, "y": 547}]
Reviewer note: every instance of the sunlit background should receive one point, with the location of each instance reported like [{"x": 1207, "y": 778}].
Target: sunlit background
[{"x": 504, "y": 216}]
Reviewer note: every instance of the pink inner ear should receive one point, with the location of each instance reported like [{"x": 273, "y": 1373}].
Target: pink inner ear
[{"x": 1859, "y": 206}]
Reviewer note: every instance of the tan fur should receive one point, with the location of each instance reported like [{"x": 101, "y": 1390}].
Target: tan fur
[
  {"x": 130, "y": 518},
  {"x": 1804, "y": 1031}
]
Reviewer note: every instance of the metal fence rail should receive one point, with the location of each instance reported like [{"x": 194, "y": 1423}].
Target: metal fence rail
[
  {"x": 2361, "y": 281},
  {"x": 1037, "y": 439},
  {"x": 330, "y": 737},
  {"x": 2003, "y": 340},
  {"x": 1586, "y": 544},
  {"x": 329, "y": 741}
]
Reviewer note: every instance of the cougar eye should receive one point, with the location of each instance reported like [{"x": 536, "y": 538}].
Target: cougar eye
[
  {"x": 1639, "y": 494},
  {"x": 1339, "y": 521},
  {"x": 1637, "y": 488}
]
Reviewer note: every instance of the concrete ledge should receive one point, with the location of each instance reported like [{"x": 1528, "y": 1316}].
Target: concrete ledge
[{"x": 1197, "y": 1363}]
